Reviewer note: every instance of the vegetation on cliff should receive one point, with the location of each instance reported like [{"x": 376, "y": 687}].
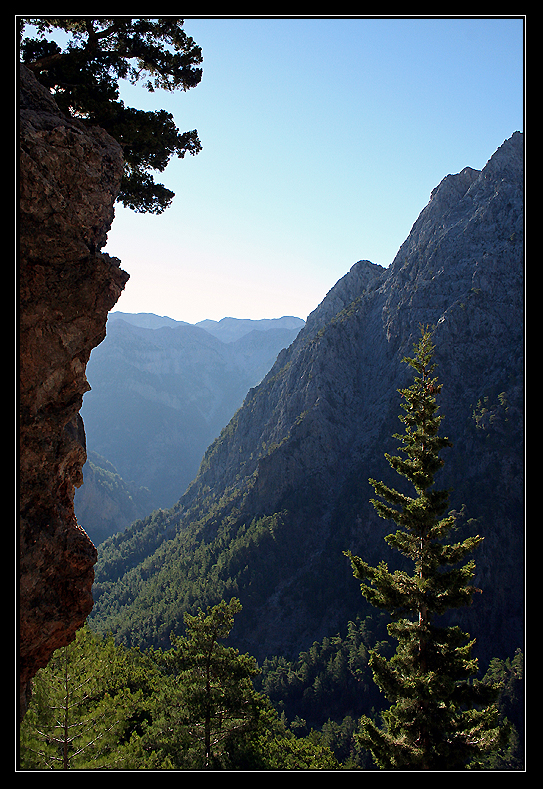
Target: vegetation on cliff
[{"x": 84, "y": 80}]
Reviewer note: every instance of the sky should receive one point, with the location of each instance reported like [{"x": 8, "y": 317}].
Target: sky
[{"x": 322, "y": 139}]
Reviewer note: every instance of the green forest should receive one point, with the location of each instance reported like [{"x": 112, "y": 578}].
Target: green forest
[
  {"x": 100, "y": 705},
  {"x": 350, "y": 702}
]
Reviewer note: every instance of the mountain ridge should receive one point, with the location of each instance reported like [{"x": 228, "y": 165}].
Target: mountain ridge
[
  {"x": 284, "y": 489},
  {"x": 227, "y": 329}
]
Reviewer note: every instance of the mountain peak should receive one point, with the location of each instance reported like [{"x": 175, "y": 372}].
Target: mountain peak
[
  {"x": 232, "y": 329},
  {"x": 363, "y": 276}
]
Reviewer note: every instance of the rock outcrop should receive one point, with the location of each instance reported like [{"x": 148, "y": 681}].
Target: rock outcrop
[{"x": 69, "y": 178}]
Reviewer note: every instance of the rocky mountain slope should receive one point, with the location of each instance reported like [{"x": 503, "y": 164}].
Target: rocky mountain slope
[
  {"x": 105, "y": 503},
  {"x": 162, "y": 390},
  {"x": 284, "y": 489},
  {"x": 69, "y": 177}
]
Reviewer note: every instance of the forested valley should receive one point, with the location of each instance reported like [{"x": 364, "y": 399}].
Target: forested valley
[
  {"x": 265, "y": 620},
  {"x": 99, "y": 705},
  {"x": 198, "y": 703}
]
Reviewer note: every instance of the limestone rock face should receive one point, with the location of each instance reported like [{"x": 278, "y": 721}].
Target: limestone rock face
[{"x": 68, "y": 179}]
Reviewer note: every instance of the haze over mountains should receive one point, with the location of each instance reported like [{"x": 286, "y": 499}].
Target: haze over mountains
[
  {"x": 162, "y": 390},
  {"x": 284, "y": 489}
]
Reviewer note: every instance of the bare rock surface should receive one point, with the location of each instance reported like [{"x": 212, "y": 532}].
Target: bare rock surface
[{"x": 68, "y": 180}]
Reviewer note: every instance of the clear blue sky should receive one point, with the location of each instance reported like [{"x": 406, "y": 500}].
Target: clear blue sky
[{"x": 322, "y": 140}]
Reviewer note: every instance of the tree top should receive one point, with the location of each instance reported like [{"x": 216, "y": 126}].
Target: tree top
[{"x": 83, "y": 76}]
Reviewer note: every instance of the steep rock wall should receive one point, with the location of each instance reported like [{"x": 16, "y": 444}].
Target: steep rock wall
[{"x": 69, "y": 177}]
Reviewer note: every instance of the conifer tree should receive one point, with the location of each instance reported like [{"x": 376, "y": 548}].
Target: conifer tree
[
  {"x": 210, "y": 698},
  {"x": 84, "y": 77},
  {"x": 441, "y": 717},
  {"x": 79, "y": 708}
]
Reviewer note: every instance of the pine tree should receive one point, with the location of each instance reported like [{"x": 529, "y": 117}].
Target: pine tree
[
  {"x": 441, "y": 717},
  {"x": 78, "y": 710},
  {"x": 84, "y": 78},
  {"x": 210, "y": 696}
]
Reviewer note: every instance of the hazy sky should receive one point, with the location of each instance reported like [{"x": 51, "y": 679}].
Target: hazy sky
[{"x": 322, "y": 140}]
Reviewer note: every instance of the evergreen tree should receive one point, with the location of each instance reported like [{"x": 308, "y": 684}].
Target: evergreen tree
[
  {"x": 210, "y": 698},
  {"x": 440, "y": 718},
  {"x": 83, "y": 78},
  {"x": 509, "y": 674},
  {"x": 79, "y": 708}
]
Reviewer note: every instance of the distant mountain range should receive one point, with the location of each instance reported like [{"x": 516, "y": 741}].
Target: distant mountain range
[
  {"x": 162, "y": 390},
  {"x": 226, "y": 330},
  {"x": 283, "y": 490}
]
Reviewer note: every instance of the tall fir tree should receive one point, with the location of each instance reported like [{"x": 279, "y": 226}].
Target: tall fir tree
[{"x": 441, "y": 717}]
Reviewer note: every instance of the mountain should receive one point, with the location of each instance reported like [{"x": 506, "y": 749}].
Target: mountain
[
  {"x": 146, "y": 320},
  {"x": 231, "y": 329},
  {"x": 284, "y": 489},
  {"x": 226, "y": 330},
  {"x": 106, "y": 503},
  {"x": 162, "y": 390}
]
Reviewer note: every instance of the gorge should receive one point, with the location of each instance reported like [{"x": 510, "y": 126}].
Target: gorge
[
  {"x": 161, "y": 392},
  {"x": 284, "y": 489}
]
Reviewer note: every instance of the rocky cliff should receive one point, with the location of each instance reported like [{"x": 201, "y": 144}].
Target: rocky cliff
[
  {"x": 284, "y": 489},
  {"x": 69, "y": 176}
]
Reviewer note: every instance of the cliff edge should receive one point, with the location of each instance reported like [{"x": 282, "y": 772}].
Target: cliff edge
[{"x": 69, "y": 177}]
